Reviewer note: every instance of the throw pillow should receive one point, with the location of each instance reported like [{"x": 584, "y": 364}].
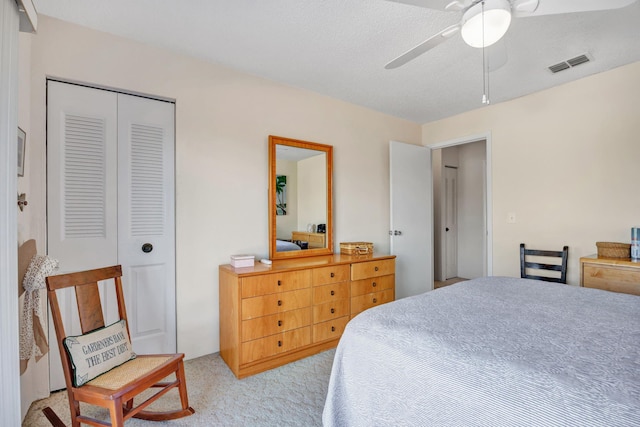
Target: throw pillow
[{"x": 99, "y": 351}]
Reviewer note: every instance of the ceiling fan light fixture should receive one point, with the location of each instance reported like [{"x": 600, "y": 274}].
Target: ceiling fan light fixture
[{"x": 496, "y": 17}]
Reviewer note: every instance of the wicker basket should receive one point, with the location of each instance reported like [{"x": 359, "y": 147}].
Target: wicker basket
[
  {"x": 356, "y": 248},
  {"x": 613, "y": 250}
]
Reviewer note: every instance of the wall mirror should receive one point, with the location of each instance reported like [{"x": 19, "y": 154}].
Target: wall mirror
[{"x": 300, "y": 198}]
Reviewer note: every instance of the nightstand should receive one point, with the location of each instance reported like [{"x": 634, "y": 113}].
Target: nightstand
[{"x": 610, "y": 274}]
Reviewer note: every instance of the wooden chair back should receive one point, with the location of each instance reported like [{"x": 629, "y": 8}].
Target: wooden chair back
[
  {"x": 87, "y": 293},
  {"x": 90, "y": 310},
  {"x": 559, "y": 266}
]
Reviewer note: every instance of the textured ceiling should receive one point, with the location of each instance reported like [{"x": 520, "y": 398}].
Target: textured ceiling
[{"x": 340, "y": 47}]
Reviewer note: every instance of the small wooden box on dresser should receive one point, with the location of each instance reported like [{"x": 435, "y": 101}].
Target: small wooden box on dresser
[
  {"x": 610, "y": 274},
  {"x": 271, "y": 315}
]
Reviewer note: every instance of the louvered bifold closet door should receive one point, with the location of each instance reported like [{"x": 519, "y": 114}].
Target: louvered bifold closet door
[
  {"x": 82, "y": 228},
  {"x": 146, "y": 241},
  {"x": 110, "y": 200}
]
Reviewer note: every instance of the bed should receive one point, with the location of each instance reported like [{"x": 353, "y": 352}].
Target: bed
[
  {"x": 284, "y": 246},
  {"x": 488, "y": 352}
]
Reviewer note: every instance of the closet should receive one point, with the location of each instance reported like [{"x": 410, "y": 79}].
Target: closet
[{"x": 111, "y": 200}]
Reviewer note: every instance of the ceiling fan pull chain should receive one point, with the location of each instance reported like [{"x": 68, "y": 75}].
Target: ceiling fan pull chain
[{"x": 485, "y": 77}]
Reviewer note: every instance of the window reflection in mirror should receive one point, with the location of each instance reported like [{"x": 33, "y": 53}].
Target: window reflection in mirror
[{"x": 300, "y": 198}]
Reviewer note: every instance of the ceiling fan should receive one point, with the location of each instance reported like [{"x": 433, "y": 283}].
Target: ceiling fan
[{"x": 484, "y": 22}]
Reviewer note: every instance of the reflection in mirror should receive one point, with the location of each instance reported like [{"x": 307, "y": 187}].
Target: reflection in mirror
[{"x": 300, "y": 219}]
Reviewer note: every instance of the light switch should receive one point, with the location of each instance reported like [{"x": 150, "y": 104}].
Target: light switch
[{"x": 511, "y": 217}]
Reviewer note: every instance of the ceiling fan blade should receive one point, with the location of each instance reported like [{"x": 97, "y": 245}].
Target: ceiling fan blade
[
  {"x": 430, "y": 43},
  {"x": 554, "y": 7}
]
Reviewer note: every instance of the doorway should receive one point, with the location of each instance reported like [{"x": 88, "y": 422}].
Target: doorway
[{"x": 462, "y": 237}]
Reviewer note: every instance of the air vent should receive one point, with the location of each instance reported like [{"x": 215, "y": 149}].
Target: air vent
[
  {"x": 578, "y": 60},
  {"x": 559, "y": 67},
  {"x": 565, "y": 65}
]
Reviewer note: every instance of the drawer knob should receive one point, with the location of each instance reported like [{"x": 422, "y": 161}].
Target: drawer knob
[
  {"x": 374, "y": 284},
  {"x": 279, "y": 343},
  {"x": 279, "y": 322},
  {"x": 333, "y": 274},
  {"x": 376, "y": 268},
  {"x": 375, "y": 300},
  {"x": 279, "y": 302},
  {"x": 333, "y": 329},
  {"x": 279, "y": 282},
  {"x": 333, "y": 292},
  {"x": 333, "y": 310}
]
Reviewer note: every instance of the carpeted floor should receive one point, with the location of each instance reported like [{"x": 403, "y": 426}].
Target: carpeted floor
[
  {"x": 292, "y": 395},
  {"x": 448, "y": 282}
]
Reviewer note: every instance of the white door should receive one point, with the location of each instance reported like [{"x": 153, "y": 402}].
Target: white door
[
  {"x": 411, "y": 217},
  {"x": 98, "y": 161},
  {"x": 146, "y": 236},
  {"x": 82, "y": 229},
  {"x": 451, "y": 221}
]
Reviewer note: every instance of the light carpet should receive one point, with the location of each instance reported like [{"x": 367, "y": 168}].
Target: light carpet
[{"x": 291, "y": 395}]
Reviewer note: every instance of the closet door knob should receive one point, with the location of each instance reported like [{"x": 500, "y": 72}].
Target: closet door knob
[{"x": 147, "y": 247}]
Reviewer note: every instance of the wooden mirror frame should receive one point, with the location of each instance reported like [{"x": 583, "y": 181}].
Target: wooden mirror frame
[{"x": 328, "y": 150}]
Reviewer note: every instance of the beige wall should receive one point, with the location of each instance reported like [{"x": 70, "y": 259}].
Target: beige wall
[
  {"x": 471, "y": 208},
  {"x": 312, "y": 191},
  {"x": 566, "y": 161},
  {"x": 223, "y": 119}
]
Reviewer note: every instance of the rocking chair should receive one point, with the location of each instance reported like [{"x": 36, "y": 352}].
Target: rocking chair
[{"x": 116, "y": 388}]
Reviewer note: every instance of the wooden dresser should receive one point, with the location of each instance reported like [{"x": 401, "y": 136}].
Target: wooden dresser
[
  {"x": 273, "y": 315},
  {"x": 316, "y": 240},
  {"x": 610, "y": 274}
]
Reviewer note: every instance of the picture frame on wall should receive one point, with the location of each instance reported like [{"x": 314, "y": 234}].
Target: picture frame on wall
[{"x": 22, "y": 139}]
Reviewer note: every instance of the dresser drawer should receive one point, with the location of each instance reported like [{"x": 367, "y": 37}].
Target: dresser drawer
[
  {"x": 261, "y": 327},
  {"x": 615, "y": 279},
  {"x": 331, "y": 310},
  {"x": 275, "y": 303},
  {"x": 364, "y": 302},
  {"x": 316, "y": 241},
  {"x": 363, "y": 270},
  {"x": 265, "y": 284},
  {"x": 326, "y": 293},
  {"x": 329, "y": 330},
  {"x": 275, "y": 344},
  {"x": 299, "y": 235},
  {"x": 333, "y": 274},
  {"x": 373, "y": 284}
]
